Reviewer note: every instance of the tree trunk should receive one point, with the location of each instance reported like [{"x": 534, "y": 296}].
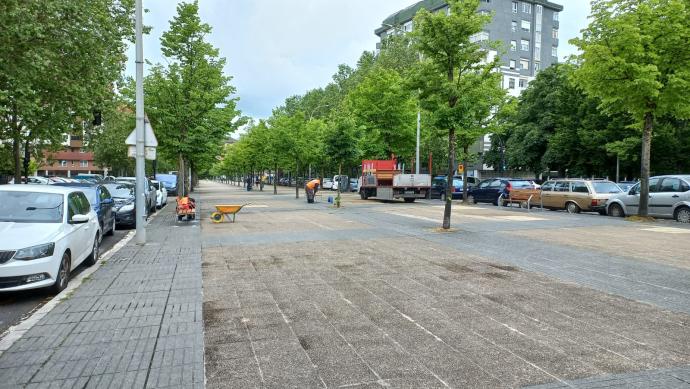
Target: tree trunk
[
  {"x": 449, "y": 184},
  {"x": 465, "y": 187},
  {"x": 644, "y": 172},
  {"x": 297, "y": 179},
  {"x": 180, "y": 176},
  {"x": 340, "y": 183},
  {"x": 16, "y": 154},
  {"x": 27, "y": 159},
  {"x": 275, "y": 179}
]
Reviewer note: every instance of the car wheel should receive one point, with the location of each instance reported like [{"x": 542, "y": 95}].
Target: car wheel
[
  {"x": 572, "y": 207},
  {"x": 95, "y": 251},
  {"x": 615, "y": 210},
  {"x": 683, "y": 215},
  {"x": 62, "y": 278},
  {"x": 410, "y": 200},
  {"x": 112, "y": 229}
]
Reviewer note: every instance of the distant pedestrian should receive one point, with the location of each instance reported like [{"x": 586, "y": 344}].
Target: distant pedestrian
[{"x": 311, "y": 188}]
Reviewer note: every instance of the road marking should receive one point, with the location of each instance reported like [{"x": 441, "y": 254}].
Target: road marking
[
  {"x": 520, "y": 218},
  {"x": 668, "y": 230},
  {"x": 256, "y": 206},
  {"x": 428, "y": 219}
]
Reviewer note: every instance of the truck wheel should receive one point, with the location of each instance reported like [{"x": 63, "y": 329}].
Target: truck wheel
[
  {"x": 363, "y": 195},
  {"x": 410, "y": 200}
]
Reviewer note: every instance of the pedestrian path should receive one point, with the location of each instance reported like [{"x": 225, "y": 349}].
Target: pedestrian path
[{"x": 136, "y": 322}]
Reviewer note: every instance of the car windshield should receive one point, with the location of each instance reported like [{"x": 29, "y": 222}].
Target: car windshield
[
  {"x": 606, "y": 187},
  {"x": 121, "y": 191},
  {"x": 457, "y": 182},
  {"x": 521, "y": 184},
  {"x": 31, "y": 207}
]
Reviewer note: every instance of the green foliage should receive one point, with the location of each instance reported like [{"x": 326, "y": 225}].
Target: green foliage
[
  {"x": 456, "y": 82},
  {"x": 636, "y": 60},
  {"x": 108, "y": 144},
  {"x": 59, "y": 61},
  {"x": 189, "y": 102}
]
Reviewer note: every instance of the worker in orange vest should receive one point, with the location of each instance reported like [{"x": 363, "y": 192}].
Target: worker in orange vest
[{"x": 311, "y": 188}]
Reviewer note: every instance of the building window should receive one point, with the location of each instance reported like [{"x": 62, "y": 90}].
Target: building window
[
  {"x": 63, "y": 163},
  {"x": 513, "y": 45},
  {"x": 540, "y": 9},
  {"x": 84, "y": 163},
  {"x": 526, "y": 26},
  {"x": 524, "y": 45},
  {"x": 523, "y": 83},
  {"x": 513, "y": 64},
  {"x": 555, "y": 33},
  {"x": 515, "y": 7},
  {"x": 526, "y": 7},
  {"x": 524, "y": 64},
  {"x": 554, "y": 51},
  {"x": 511, "y": 83},
  {"x": 479, "y": 37},
  {"x": 537, "y": 67},
  {"x": 407, "y": 27},
  {"x": 513, "y": 26},
  {"x": 555, "y": 16}
]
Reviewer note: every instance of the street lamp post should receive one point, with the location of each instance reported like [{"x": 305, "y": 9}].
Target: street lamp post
[{"x": 140, "y": 162}]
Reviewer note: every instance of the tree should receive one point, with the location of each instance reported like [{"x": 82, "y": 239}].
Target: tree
[
  {"x": 386, "y": 113},
  {"x": 340, "y": 145},
  {"x": 59, "y": 61},
  {"x": 452, "y": 73},
  {"x": 108, "y": 145},
  {"x": 190, "y": 101},
  {"x": 636, "y": 59}
]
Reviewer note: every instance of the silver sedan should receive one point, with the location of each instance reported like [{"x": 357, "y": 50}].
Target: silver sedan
[{"x": 669, "y": 197}]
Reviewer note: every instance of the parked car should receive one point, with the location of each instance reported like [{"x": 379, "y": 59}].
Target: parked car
[
  {"x": 327, "y": 183},
  {"x": 337, "y": 180},
  {"x": 161, "y": 194},
  {"x": 47, "y": 231},
  {"x": 354, "y": 185},
  {"x": 33, "y": 180},
  {"x": 626, "y": 185},
  {"x": 149, "y": 192},
  {"x": 669, "y": 197},
  {"x": 576, "y": 195},
  {"x": 169, "y": 181},
  {"x": 489, "y": 191},
  {"x": 438, "y": 187},
  {"x": 123, "y": 194},
  {"x": 102, "y": 203},
  {"x": 93, "y": 178}
]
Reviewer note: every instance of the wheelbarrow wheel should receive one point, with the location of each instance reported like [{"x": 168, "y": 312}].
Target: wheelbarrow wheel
[{"x": 217, "y": 217}]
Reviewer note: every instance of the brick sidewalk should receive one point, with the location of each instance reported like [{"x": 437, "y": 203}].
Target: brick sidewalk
[{"x": 136, "y": 322}]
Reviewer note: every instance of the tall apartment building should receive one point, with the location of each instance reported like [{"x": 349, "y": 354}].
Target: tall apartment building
[{"x": 528, "y": 30}]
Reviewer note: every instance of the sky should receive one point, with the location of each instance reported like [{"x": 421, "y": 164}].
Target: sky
[{"x": 280, "y": 48}]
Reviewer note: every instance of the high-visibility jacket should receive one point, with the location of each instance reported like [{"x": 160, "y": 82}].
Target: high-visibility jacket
[{"x": 313, "y": 184}]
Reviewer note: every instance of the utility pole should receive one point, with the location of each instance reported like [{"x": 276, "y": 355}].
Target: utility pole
[{"x": 140, "y": 130}]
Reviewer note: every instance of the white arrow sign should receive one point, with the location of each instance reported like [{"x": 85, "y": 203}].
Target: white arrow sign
[{"x": 150, "y": 142}]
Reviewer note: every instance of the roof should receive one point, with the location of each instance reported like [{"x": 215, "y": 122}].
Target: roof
[
  {"x": 39, "y": 189},
  {"x": 405, "y": 15}
]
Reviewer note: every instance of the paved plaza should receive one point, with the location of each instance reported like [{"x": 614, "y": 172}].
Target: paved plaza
[{"x": 373, "y": 295}]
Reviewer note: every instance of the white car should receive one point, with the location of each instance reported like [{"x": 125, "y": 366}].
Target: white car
[
  {"x": 327, "y": 183},
  {"x": 161, "y": 194},
  {"x": 45, "y": 233},
  {"x": 669, "y": 197}
]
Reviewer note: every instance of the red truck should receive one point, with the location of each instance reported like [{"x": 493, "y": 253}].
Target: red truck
[{"x": 385, "y": 180}]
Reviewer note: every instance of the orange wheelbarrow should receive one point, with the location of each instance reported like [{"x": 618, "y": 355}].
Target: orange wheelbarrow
[{"x": 222, "y": 210}]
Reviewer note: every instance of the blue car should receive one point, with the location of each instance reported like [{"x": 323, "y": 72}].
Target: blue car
[
  {"x": 101, "y": 202},
  {"x": 438, "y": 188},
  {"x": 169, "y": 181}
]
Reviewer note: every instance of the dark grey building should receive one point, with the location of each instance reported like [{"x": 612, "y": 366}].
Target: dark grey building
[{"x": 528, "y": 30}]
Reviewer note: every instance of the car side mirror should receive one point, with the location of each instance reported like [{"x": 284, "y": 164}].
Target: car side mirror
[{"x": 79, "y": 219}]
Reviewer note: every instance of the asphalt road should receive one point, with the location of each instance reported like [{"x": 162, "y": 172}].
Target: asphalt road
[{"x": 15, "y": 306}]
